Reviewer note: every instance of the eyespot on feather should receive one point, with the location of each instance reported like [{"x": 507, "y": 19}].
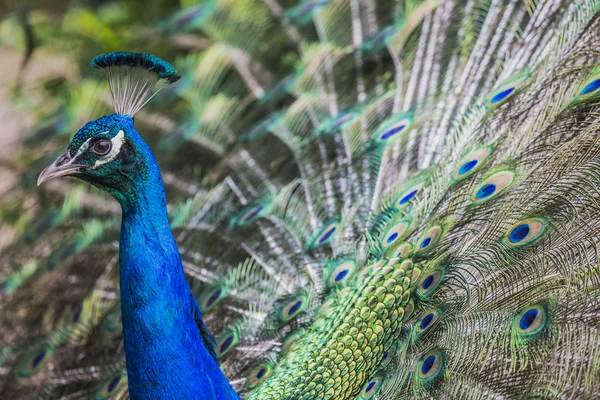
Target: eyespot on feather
[
  {"x": 526, "y": 232},
  {"x": 292, "y": 308},
  {"x": 590, "y": 87},
  {"x": 429, "y": 239},
  {"x": 325, "y": 235},
  {"x": 531, "y": 321},
  {"x": 430, "y": 282},
  {"x": 34, "y": 360},
  {"x": 429, "y": 367},
  {"x": 507, "y": 89},
  {"x": 340, "y": 273},
  {"x": 492, "y": 186},
  {"x": 211, "y": 297},
  {"x": 371, "y": 388},
  {"x": 258, "y": 375},
  {"x": 393, "y": 128},
  {"x": 471, "y": 163},
  {"x": 111, "y": 386},
  {"x": 226, "y": 343}
]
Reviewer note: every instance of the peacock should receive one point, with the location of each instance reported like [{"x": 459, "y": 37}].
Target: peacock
[{"x": 327, "y": 199}]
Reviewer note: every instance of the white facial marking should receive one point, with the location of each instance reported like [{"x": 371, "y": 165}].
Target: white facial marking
[{"x": 117, "y": 142}]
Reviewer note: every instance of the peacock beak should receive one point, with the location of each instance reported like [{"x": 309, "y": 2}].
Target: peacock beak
[{"x": 63, "y": 166}]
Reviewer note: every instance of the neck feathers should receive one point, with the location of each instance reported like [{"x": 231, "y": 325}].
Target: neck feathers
[{"x": 166, "y": 353}]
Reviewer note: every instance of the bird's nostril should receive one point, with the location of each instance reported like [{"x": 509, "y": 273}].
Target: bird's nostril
[{"x": 62, "y": 160}]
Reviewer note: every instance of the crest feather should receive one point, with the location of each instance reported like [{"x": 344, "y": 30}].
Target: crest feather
[{"x": 133, "y": 78}]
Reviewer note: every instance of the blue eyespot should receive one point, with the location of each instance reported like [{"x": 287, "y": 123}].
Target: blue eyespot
[
  {"x": 426, "y": 321},
  {"x": 77, "y": 313},
  {"x": 225, "y": 345},
  {"x": 526, "y": 232},
  {"x": 528, "y": 318},
  {"x": 295, "y": 307},
  {"x": 431, "y": 367},
  {"x": 261, "y": 373},
  {"x": 392, "y": 132},
  {"x": 327, "y": 235},
  {"x": 258, "y": 375},
  {"x": 341, "y": 275},
  {"x": 466, "y": 167},
  {"x": 428, "y": 281},
  {"x": 427, "y": 364},
  {"x": 213, "y": 297},
  {"x": 38, "y": 359},
  {"x": 292, "y": 308},
  {"x": 408, "y": 197},
  {"x": 113, "y": 384},
  {"x": 591, "y": 87},
  {"x": 531, "y": 321},
  {"x": 370, "y": 386},
  {"x": 425, "y": 242},
  {"x": 392, "y": 237},
  {"x": 519, "y": 233},
  {"x": 502, "y": 95},
  {"x": 385, "y": 355},
  {"x": 253, "y": 213},
  {"x": 486, "y": 191}
]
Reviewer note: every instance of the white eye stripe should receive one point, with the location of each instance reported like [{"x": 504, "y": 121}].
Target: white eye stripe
[{"x": 117, "y": 142}]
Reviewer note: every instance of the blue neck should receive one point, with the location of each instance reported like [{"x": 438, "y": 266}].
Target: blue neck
[{"x": 167, "y": 356}]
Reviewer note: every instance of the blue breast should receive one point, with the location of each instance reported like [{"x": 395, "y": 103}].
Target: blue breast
[{"x": 166, "y": 356}]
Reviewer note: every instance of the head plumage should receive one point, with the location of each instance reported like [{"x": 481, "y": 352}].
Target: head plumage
[{"x": 133, "y": 78}]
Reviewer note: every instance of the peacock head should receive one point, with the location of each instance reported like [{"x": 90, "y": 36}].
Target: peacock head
[{"x": 107, "y": 153}]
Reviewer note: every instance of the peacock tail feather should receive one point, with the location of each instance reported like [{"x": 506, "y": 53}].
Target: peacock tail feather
[{"x": 372, "y": 199}]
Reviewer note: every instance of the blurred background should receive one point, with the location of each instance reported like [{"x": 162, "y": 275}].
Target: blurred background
[
  {"x": 48, "y": 91},
  {"x": 47, "y": 88},
  {"x": 45, "y": 50},
  {"x": 59, "y": 243}
]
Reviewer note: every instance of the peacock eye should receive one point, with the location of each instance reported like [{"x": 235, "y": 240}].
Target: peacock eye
[{"x": 102, "y": 147}]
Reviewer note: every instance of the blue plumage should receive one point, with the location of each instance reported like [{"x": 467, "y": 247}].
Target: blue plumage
[{"x": 162, "y": 337}]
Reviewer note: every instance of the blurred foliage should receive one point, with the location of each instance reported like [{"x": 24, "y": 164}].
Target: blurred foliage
[{"x": 219, "y": 47}]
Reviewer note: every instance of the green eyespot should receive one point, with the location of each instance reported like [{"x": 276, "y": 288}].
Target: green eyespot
[
  {"x": 403, "y": 251},
  {"x": 492, "y": 186},
  {"x": 507, "y": 89},
  {"x": 430, "y": 282},
  {"x": 430, "y": 367},
  {"x": 292, "y": 308},
  {"x": 111, "y": 386},
  {"x": 396, "y": 233},
  {"x": 472, "y": 162},
  {"x": 530, "y": 321},
  {"x": 211, "y": 297},
  {"x": 371, "y": 388},
  {"x": 429, "y": 239},
  {"x": 393, "y": 128},
  {"x": 410, "y": 193},
  {"x": 35, "y": 360},
  {"x": 325, "y": 235},
  {"x": 340, "y": 272},
  {"x": 526, "y": 232},
  {"x": 226, "y": 343},
  {"x": 258, "y": 375},
  {"x": 590, "y": 87}
]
